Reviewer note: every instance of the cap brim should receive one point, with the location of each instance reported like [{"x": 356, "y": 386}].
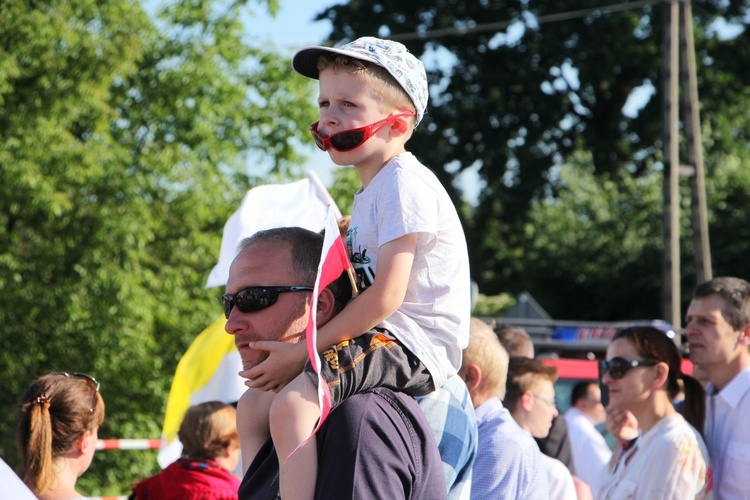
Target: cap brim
[{"x": 305, "y": 61}]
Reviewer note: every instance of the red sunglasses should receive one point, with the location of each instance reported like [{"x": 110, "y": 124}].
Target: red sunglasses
[{"x": 350, "y": 139}]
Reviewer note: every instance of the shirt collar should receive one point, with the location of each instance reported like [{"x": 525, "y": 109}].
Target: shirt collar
[{"x": 735, "y": 390}]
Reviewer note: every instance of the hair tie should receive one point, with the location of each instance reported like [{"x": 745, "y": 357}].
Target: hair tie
[{"x": 43, "y": 400}]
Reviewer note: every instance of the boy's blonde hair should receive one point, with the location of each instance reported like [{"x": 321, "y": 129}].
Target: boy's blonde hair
[
  {"x": 486, "y": 351},
  {"x": 390, "y": 94}
]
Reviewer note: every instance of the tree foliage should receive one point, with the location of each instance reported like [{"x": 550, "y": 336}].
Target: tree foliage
[
  {"x": 519, "y": 89},
  {"x": 126, "y": 141}
]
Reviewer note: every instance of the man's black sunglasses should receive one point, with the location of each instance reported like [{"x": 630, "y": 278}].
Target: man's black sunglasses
[
  {"x": 256, "y": 298},
  {"x": 618, "y": 367}
]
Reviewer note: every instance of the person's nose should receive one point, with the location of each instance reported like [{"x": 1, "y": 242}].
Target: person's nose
[
  {"x": 606, "y": 379},
  {"x": 328, "y": 117},
  {"x": 690, "y": 330},
  {"x": 235, "y": 322}
]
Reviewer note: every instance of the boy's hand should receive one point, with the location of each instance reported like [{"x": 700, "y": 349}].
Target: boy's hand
[{"x": 284, "y": 362}]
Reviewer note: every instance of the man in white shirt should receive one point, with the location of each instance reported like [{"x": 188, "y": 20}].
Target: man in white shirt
[
  {"x": 590, "y": 451},
  {"x": 718, "y": 332}
]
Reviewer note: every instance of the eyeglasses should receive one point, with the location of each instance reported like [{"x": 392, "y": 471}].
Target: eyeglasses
[
  {"x": 618, "y": 367},
  {"x": 87, "y": 377},
  {"x": 549, "y": 401},
  {"x": 256, "y": 298},
  {"x": 351, "y": 139}
]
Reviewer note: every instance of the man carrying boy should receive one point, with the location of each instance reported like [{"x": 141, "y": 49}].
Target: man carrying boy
[
  {"x": 374, "y": 445},
  {"x": 407, "y": 244}
]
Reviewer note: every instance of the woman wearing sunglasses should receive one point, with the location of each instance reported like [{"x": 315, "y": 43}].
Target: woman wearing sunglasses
[
  {"x": 59, "y": 419},
  {"x": 668, "y": 458}
]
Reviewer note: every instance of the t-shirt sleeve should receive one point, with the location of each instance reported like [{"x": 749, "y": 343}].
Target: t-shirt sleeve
[{"x": 406, "y": 206}]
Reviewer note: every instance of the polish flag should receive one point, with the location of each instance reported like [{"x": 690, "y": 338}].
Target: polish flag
[{"x": 333, "y": 261}]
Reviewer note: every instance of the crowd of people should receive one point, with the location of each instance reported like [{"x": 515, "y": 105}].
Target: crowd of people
[{"x": 429, "y": 403}]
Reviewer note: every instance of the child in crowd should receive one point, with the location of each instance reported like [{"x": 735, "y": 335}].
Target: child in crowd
[
  {"x": 405, "y": 240},
  {"x": 210, "y": 452}
]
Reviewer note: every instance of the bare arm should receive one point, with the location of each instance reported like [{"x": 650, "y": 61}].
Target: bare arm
[{"x": 380, "y": 300}]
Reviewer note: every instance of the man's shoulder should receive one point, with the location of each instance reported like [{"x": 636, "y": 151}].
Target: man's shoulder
[
  {"x": 371, "y": 441},
  {"x": 503, "y": 427}
]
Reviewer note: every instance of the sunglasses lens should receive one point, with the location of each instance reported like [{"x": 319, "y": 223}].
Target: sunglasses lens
[
  {"x": 344, "y": 141},
  {"x": 319, "y": 142},
  {"x": 248, "y": 300},
  {"x": 615, "y": 367},
  {"x": 227, "y": 303},
  {"x": 254, "y": 300}
]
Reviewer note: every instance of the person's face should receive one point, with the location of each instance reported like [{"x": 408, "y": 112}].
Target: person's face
[
  {"x": 346, "y": 102},
  {"x": 633, "y": 388},
  {"x": 593, "y": 406},
  {"x": 285, "y": 321},
  {"x": 543, "y": 409},
  {"x": 711, "y": 340}
]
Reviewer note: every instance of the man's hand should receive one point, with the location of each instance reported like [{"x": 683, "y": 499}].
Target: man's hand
[{"x": 285, "y": 361}]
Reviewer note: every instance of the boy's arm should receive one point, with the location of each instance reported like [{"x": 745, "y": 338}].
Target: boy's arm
[{"x": 380, "y": 300}]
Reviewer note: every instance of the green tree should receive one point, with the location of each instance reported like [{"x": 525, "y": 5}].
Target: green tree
[
  {"x": 125, "y": 143},
  {"x": 519, "y": 99}
]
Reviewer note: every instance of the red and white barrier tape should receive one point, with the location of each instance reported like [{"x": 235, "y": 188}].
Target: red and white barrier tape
[{"x": 128, "y": 444}]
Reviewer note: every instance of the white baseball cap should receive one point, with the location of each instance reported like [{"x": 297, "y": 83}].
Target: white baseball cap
[{"x": 393, "y": 56}]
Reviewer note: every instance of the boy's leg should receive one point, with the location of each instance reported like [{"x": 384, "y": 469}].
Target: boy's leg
[
  {"x": 253, "y": 428},
  {"x": 294, "y": 413}
]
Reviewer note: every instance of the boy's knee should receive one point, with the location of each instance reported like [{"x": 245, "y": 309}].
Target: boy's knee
[{"x": 282, "y": 410}]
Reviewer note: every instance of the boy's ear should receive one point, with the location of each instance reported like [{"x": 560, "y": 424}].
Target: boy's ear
[
  {"x": 472, "y": 376},
  {"x": 400, "y": 127}
]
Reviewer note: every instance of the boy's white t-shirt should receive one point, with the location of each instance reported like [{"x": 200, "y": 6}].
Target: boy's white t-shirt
[{"x": 405, "y": 197}]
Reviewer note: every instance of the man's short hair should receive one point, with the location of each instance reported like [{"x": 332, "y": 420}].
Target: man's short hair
[
  {"x": 580, "y": 391},
  {"x": 306, "y": 247},
  {"x": 485, "y": 351},
  {"x": 736, "y": 295},
  {"x": 516, "y": 340},
  {"x": 523, "y": 375}
]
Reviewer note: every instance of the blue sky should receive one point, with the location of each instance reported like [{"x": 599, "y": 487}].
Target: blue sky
[{"x": 293, "y": 26}]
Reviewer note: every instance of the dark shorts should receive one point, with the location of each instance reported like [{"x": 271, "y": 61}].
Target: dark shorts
[{"x": 374, "y": 359}]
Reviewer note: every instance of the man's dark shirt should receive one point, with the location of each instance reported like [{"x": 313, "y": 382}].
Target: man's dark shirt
[
  {"x": 373, "y": 445},
  {"x": 557, "y": 443}
]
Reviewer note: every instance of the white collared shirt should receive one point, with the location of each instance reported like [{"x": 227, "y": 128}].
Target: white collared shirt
[
  {"x": 590, "y": 450},
  {"x": 727, "y": 432}
]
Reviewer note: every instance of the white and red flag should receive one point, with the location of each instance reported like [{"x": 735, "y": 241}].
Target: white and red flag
[{"x": 333, "y": 261}]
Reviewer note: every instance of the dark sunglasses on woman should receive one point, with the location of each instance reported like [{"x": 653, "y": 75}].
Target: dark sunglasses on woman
[{"x": 618, "y": 367}]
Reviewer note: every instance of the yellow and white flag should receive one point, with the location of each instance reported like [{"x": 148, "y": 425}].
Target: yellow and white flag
[{"x": 208, "y": 370}]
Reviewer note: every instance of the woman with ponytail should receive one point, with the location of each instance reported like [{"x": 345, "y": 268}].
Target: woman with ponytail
[
  {"x": 59, "y": 419},
  {"x": 668, "y": 459}
]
